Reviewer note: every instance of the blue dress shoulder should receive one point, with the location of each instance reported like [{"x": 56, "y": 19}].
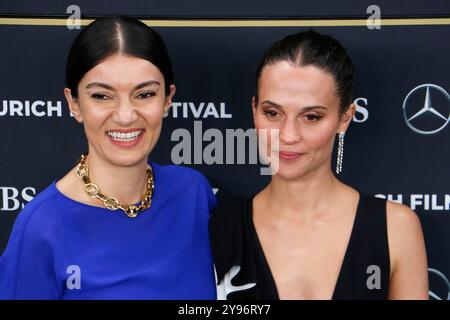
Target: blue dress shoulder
[{"x": 63, "y": 249}]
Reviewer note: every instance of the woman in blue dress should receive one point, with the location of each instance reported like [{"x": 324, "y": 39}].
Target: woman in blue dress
[{"x": 116, "y": 226}]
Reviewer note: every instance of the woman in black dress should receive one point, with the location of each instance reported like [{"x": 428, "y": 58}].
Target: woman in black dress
[{"x": 307, "y": 235}]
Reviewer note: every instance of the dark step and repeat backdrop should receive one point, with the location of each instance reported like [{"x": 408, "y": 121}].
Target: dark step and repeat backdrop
[{"x": 397, "y": 146}]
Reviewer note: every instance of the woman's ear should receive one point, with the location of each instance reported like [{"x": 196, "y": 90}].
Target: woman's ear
[
  {"x": 254, "y": 105},
  {"x": 169, "y": 97},
  {"x": 346, "y": 118},
  {"x": 74, "y": 107}
]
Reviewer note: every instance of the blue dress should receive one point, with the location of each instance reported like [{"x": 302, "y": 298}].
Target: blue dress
[{"x": 63, "y": 249}]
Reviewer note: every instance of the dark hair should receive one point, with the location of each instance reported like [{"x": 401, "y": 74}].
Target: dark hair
[
  {"x": 312, "y": 48},
  {"x": 107, "y": 36}
]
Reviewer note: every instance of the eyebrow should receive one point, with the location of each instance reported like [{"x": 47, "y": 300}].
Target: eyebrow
[
  {"x": 147, "y": 83},
  {"x": 108, "y": 87},
  {"x": 276, "y": 105}
]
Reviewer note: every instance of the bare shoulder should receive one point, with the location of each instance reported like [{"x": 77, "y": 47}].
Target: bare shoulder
[
  {"x": 401, "y": 220},
  {"x": 404, "y": 228},
  {"x": 407, "y": 253}
]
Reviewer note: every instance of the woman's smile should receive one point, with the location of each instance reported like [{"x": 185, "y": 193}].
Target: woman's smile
[{"x": 125, "y": 138}]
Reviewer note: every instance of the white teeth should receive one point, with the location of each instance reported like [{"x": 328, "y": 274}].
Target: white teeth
[{"x": 121, "y": 136}]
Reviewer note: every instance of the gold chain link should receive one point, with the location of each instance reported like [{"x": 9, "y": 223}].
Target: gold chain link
[{"x": 112, "y": 203}]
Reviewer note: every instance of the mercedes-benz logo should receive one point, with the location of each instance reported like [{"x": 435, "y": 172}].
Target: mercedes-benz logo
[
  {"x": 445, "y": 280},
  {"x": 423, "y": 94}
]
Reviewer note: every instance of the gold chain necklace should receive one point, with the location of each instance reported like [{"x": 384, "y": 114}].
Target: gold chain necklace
[{"x": 112, "y": 203}]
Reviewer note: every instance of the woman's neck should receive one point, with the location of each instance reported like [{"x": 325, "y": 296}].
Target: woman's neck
[
  {"x": 302, "y": 198},
  {"x": 125, "y": 183}
]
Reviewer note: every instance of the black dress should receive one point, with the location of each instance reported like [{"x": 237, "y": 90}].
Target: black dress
[{"x": 242, "y": 271}]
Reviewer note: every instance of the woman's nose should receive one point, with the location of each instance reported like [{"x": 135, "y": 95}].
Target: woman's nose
[
  {"x": 289, "y": 132},
  {"x": 125, "y": 113}
]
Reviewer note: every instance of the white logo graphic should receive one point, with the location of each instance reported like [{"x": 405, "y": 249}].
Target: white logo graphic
[
  {"x": 224, "y": 288},
  {"x": 73, "y": 21},
  {"x": 374, "y": 280},
  {"x": 428, "y": 202},
  {"x": 10, "y": 199},
  {"x": 410, "y": 104},
  {"x": 236, "y": 146},
  {"x": 74, "y": 280},
  {"x": 197, "y": 111},
  {"x": 446, "y": 282},
  {"x": 374, "y": 20},
  {"x": 39, "y": 108},
  {"x": 361, "y": 104}
]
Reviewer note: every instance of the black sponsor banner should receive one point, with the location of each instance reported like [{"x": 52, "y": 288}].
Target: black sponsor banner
[{"x": 397, "y": 145}]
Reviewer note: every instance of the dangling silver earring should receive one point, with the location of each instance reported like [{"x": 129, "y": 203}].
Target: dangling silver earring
[{"x": 340, "y": 153}]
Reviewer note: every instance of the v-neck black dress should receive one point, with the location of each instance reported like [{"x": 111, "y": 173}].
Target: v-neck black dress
[{"x": 242, "y": 271}]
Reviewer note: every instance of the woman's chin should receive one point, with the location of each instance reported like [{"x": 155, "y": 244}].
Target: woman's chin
[
  {"x": 290, "y": 173},
  {"x": 128, "y": 160}
]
